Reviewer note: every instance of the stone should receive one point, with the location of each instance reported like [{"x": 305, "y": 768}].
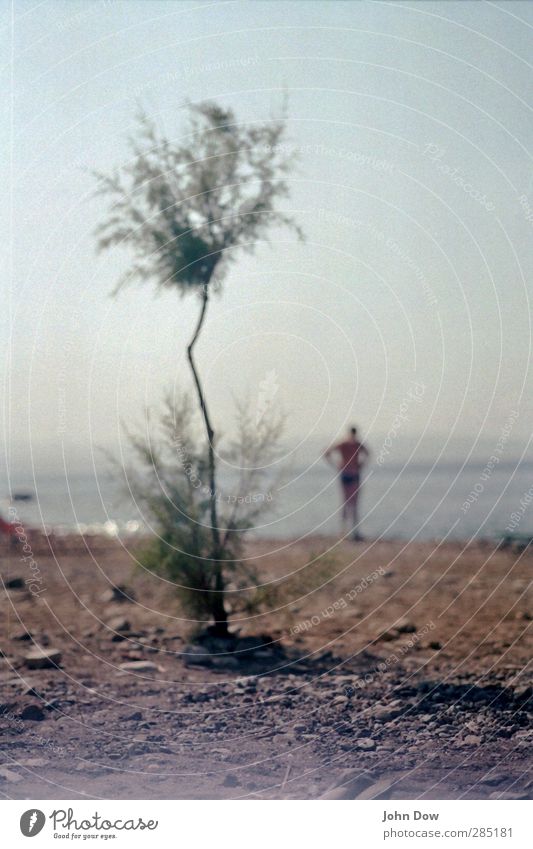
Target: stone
[
  {"x": 472, "y": 740},
  {"x": 387, "y": 636},
  {"x": 30, "y": 690},
  {"x": 405, "y": 627},
  {"x": 139, "y": 666},
  {"x": 138, "y": 748},
  {"x": 524, "y": 692},
  {"x": 524, "y": 735},
  {"x": 14, "y": 584},
  {"x": 136, "y": 716},
  {"x": 40, "y": 658},
  {"x": 23, "y": 635},
  {"x": 244, "y": 682},
  {"x": 32, "y": 712},
  {"x": 365, "y": 743},
  {"x": 118, "y": 624},
  {"x": 132, "y": 655},
  {"x": 386, "y": 712},
  {"x": 120, "y": 593}
]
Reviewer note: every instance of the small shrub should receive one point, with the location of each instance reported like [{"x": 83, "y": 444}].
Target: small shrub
[{"x": 168, "y": 478}]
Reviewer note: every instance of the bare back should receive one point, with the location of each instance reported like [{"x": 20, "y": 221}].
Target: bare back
[{"x": 352, "y": 454}]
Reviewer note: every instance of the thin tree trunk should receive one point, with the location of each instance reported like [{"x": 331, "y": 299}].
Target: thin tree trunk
[{"x": 219, "y": 610}]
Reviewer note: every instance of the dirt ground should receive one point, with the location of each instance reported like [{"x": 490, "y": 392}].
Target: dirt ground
[{"x": 402, "y": 671}]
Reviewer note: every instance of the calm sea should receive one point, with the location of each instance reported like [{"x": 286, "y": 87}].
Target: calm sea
[{"x": 415, "y": 501}]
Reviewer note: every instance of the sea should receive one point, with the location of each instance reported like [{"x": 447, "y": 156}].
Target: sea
[{"x": 448, "y": 500}]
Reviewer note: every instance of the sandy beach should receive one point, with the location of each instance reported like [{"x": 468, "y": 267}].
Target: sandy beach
[{"x": 399, "y": 670}]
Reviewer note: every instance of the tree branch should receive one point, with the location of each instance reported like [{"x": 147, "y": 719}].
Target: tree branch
[{"x": 215, "y": 532}]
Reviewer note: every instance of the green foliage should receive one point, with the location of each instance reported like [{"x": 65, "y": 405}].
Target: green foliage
[
  {"x": 168, "y": 480},
  {"x": 184, "y": 206}
]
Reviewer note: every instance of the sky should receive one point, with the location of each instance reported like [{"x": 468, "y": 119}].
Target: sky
[{"x": 410, "y": 295}]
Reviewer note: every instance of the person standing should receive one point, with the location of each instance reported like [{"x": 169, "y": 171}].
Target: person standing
[{"x": 351, "y": 455}]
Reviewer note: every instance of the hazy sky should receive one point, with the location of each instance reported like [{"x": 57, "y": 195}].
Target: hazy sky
[{"x": 413, "y": 188}]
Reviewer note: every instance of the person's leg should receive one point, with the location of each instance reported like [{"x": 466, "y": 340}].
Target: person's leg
[
  {"x": 353, "y": 510},
  {"x": 344, "y": 509},
  {"x": 345, "y": 513},
  {"x": 354, "y": 515},
  {"x": 347, "y": 508}
]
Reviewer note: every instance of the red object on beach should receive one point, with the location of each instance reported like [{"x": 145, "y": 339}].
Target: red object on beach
[{"x": 7, "y": 527}]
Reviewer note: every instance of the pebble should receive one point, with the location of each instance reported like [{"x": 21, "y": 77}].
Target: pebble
[
  {"x": 385, "y": 712},
  {"x": 471, "y": 740},
  {"x": 118, "y": 623},
  {"x": 406, "y": 627},
  {"x": 366, "y": 743},
  {"x": 32, "y": 712},
  {"x": 387, "y": 636},
  {"x": 14, "y": 584},
  {"x": 119, "y": 593},
  {"x": 139, "y": 666},
  {"x": 138, "y": 748},
  {"x": 40, "y": 658}
]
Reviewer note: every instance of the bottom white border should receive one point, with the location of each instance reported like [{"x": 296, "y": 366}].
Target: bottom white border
[{"x": 264, "y": 825}]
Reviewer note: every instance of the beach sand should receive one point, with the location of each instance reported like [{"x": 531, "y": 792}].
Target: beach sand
[{"x": 404, "y": 676}]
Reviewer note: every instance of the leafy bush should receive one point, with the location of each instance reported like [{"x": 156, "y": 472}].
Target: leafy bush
[{"x": 168, "y": 478}]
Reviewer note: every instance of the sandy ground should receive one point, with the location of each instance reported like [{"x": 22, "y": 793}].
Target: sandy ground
[{"x": 402, "y": 671}]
